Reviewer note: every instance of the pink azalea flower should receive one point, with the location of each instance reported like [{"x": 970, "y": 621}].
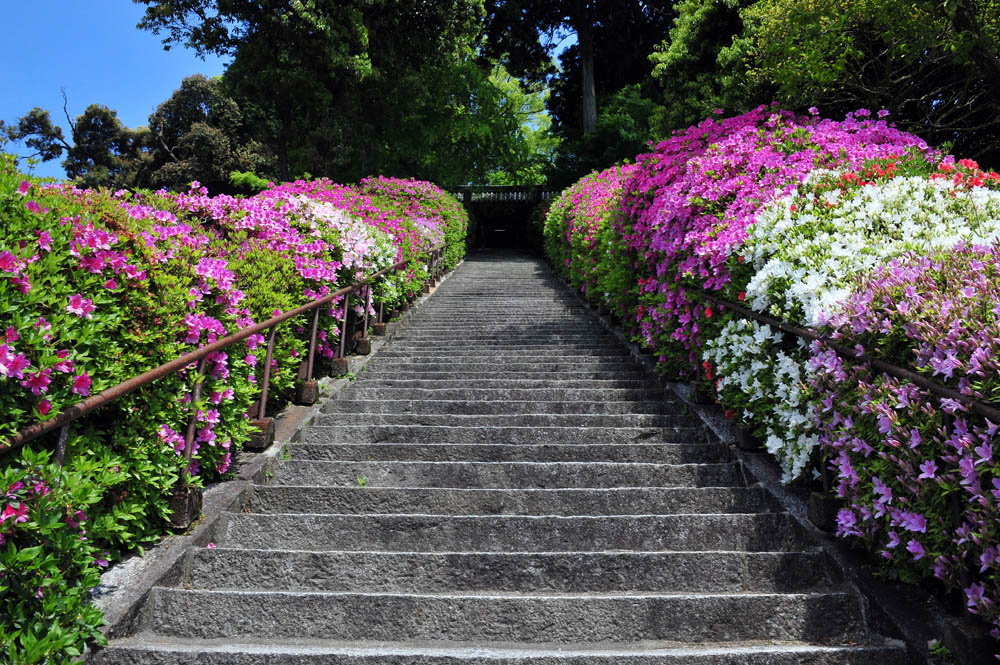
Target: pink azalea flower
[
  {"x": 81, "y": 384},
  {"x": 39, "y": 382},
  {"x": 19, "y": 514},
  {"x": 80, "y": 306},
  {"x": 22, "y": 284},
  {"x": 23, "y": 188},
  {"x": 12, "y": 335},
  {"x": 10, "y": 364},
  {"x": 44, "y": 407},
  {"x": 32, "y": 206},
  {"x": 45, "y": 241},
  {"x": 65, "y": 366}
]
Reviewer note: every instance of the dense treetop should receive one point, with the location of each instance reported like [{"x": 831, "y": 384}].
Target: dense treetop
[{"x": 507, "y": 91}]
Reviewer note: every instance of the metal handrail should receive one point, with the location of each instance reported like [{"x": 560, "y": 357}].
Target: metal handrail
[
  {"x": 977, "y": 406},
  {"x": 65, "y": 418}
]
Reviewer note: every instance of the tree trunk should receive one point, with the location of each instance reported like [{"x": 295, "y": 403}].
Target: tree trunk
[
  {"x": 285, "y": 121},
  {"x": 585, "y": 38}
]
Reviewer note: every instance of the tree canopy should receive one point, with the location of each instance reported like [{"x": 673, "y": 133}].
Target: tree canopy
[{"x": 487, "y": 92}]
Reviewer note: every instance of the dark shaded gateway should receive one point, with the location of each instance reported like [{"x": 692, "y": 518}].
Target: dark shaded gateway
[{"x": 500, "y": 215}]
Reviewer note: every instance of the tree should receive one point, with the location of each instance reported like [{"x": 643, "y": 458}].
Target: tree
[
  {"x": 585, "y": 99},
  {"x": 522, "y": 33},
  {"x": 199, "y": 134},
  {"x": 934, "y": 64},
  {"x": 698, "y": 70},
  {"x": 298, "y": 64},
  {"x": 103, "y": 151}
]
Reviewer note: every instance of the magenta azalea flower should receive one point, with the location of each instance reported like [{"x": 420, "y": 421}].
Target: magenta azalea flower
[
  {"x": 81, "y": 384},
  {"x": 80, "y": 306},
  {"x": 38, "y": 382}
]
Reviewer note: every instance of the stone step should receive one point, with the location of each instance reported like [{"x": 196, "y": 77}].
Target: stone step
[
  {"x": 763, "y": 532},
  {"x": 544, "y": 475},
  {"x": 560, "y": 385},
  {"x": 656, "y": 453},
  {"x": 363, "y": 390},
  {"x": 542, "y": 373},
  {"x": 469, "y": 323},
  {"x": 479, "y": 317},
  {"x": 465, "y": 407},
  {"x": 519, "y": 418},
  {"x": 584, "y": 366},
  {"x": 157, "y": 650},
  {"x": 503, "y": 363},
  {"x": 400, "y": 348},
  {"x": 518, "y": 572},
  {"x": 502, "y": 617},
  {"x": 511, "y": 434},
  {"x": 522, "y": 354},
  {"x": 555, "y": 337},
  {"x": 567, "y": 502}
]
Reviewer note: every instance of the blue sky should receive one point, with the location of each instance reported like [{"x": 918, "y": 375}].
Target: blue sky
[{"x": 93, "y": 50}]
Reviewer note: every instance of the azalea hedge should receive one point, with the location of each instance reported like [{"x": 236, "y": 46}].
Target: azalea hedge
[
  {"x": 98, "y": 286},
  {"x": 862, "y": 233}
]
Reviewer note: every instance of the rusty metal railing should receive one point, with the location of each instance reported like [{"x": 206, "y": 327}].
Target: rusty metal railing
[{"x": 64, "y": 419}]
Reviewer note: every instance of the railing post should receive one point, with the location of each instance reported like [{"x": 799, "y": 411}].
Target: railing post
[
  {"x": 340, "y": 362},
  {"x": 264, "y": 436},
  {"x": 60, "y": 455},
  {"x": 185, "y": 500},
  {"x": 378, "y": 328},
  {"x": 307, "y": 392},
  {"x": 364, "y": 345}
]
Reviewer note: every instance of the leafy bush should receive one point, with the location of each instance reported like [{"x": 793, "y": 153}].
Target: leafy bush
[
  {"x": 856, "y": 230},
  {"x": 97, "y": 287},
  {"x": 920, "y": 474},
  {"x": 803, "y": 257},
  {"x": 48, "y": 562},
  {"x": 693, "y": 198},
  {"x": 583, "y": 239}
]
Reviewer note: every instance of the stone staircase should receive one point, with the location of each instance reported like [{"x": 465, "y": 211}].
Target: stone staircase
[{"x": 505, "y": 485}]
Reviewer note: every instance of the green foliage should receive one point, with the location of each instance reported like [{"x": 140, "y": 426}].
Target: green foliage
[
  {"x": 584, "y": 240},
  {"x": 199, "y": 134},
  {"x": 934, "y": 65},
  {"x": 248, "y": 181},
  {"x": 47, "y": 567},
  {"x": 698, "y": 69},
  {"x": 272, "y": 283}
]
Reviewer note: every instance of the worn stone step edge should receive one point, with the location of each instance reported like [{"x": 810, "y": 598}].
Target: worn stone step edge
[
  {"x": 755, "y": 532},
  {"x": 147, "y": 649},
  {"x": 658, "y": 453},
  {"x": 678, "y": 572},
  {"x": 503, "y": 419},
  {"x": 365, "y": 391},
  {"x": 496, "y": 434},
  {"x": 646, "y": 384},
  {"x": 357, "y": 499},
  {"x": 565, "y": 618},
  {"x": 500, "y": 475},
  {"x": 466, "y": 407}
]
